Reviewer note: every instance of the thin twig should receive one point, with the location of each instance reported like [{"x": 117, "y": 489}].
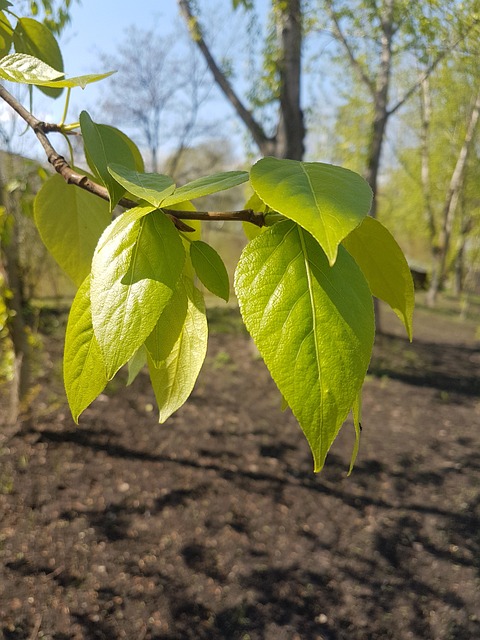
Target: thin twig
[{"x": 61, "y": 166}]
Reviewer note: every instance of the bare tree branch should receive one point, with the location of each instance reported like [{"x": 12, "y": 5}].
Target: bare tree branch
[
  {"x": 61, "y": 166},
  {"x": 258, "y": 134},
  {"x": 353, "y": 59}
]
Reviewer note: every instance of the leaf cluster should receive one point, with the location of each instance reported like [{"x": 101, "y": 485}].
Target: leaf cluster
[{"x": 304, "y": 282}]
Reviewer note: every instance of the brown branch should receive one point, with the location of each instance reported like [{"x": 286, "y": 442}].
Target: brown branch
[{"x": 82, "y": 181}]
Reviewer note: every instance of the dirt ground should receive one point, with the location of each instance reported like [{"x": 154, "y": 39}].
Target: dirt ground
[{"x": 214, "y": 526}]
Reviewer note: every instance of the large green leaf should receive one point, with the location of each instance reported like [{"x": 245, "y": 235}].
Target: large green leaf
[
  {"x": 313, "y": 325},
  {"x": 169, "y": 326},
  {"x": 206, "y": 186},
  {"x": 210, "y": 269},
  {"x": 6, "y": 35},
  {"x": 103, "y": 145},
  {"x": 70, "y": 222},
  {"x": 152, "y": 187},
  {"x": 123, "y": 221},
  {"x": 35, "y": 39},
  {"x": 19, "y": 67},
  {"x": 385, "y": 267},
  {"x": 326, "y": 200},
  {"x": 83, "y": 366},
  {"x": 134, "y": 273},
  {"x": 174, "y": 378}
]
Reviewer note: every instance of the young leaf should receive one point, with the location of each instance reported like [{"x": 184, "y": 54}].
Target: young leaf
[
  {"x": 206, "y": 186},
  {"x": 76, "y": 81},
  {"x": 256, "y": 204},
  {"x": 160, "y": 342},
  {"x": 6, "y": 35},
  {"x": 313, "y": 325},
  {"x": 19, "y": 67},
  {"x": 123, "y": 221},
  {"x": 70, "y": 222},
  {"x": 210, "y": 269},
  {"x": 136, "y": 364},
  {"x": 357, "y": 424},
  {"x": 134, "y": 273},
  {"x": 385, "y": 268},
  {"x": 83, "y": 366},
  {"x": 103, "y": 146},
  {"x": 326, "y": 200},
  {"x": 35, "y": 39},
  {"x": 151, "y": 187},
  {"x": 174, "y": 378}
]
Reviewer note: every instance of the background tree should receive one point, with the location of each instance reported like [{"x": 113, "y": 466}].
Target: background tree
[
  {"x": 158, "y": 92},
  {"x": 285, "y": 136}
]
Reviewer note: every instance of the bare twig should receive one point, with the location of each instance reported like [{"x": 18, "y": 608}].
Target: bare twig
[{"x": 61, "y": 166}]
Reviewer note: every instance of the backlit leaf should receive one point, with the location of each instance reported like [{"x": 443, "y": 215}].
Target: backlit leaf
[
  {"x": 152, "y": 187},
  {"x": 169, "y": 326},
  {"x": 174, "y": 378},
  {"x": 326, "y": 200},
  {"x": 104, "y": 145},
  {"x": 6, "y": 35},
  {"x": 136, "y": 364},
  {"x": 210, "y": 269},
  {"x": 313, "y": 325},
  {"x": 385, "y": 268},
  {"x": 76, "y": 81},
  {"x": 83, "y": 366},
  {"x": 70, "y": 222},
  {"x": 19, "y": 67},
  {"x": 206, "y": 186},
  {"x": 134, "y": 273},
  {"x": 35, "y": 39}
]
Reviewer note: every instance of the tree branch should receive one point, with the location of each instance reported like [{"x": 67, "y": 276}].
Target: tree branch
[
  {"x": 258, "y": 134},
  {"x": 355, "y": 63},
  {"x": 82, "y": 181}
]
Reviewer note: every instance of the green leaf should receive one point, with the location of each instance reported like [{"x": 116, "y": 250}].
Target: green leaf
[
  {"x": 83, "y": 366},
  {"x": 152, "y": 187},
  {"x": 139, "y": 164},
  {"x": 76, "y": 81},
  {"x": 256, "y": 204},
  {"x": 70, "y": 222},
  {"x": 160, "y": 342},
  {"x": 103, "y": 146},
  {"x": 206, "y": 186},
  {"x": 210, "y": 269},
  {"x": 385, "y": 268},
  {"x": 313, "y": 325},
  {"x": 35, "y": 39},
  {"x": 123, "y": 221},
  {"x": 134, "y": 274},
  {"x": 18, "y": 67},
  {"x": 4, "y": 4},
  {"x": 326, "y": 200},
  {"x": 357, "y": 424},
  {"x": 6, "y": 35},
  {"x": 136, "y": 364},
  {"x": 174, "y": 378}
]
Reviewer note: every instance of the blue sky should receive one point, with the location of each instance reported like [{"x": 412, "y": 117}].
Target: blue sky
[{"x": 98, "y": 25}]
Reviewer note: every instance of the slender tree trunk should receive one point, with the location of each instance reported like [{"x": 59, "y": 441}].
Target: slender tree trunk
[
  {"x": 381, "y": 114},
  {"x": 17, "y": 326},
  {"x": 291, "y": 129},
  {"x": 451, "y": 204},
  {"x": 288, "y": 141}
]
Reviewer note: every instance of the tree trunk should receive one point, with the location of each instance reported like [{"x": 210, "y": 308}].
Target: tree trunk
[
  {"x": 288, "y": 141},
  {"x": 16, "y": 325},
  {"x": 451, "y": 205}
]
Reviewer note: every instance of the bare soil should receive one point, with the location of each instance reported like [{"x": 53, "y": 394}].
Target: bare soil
[{"x": 214, "y": 526}]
